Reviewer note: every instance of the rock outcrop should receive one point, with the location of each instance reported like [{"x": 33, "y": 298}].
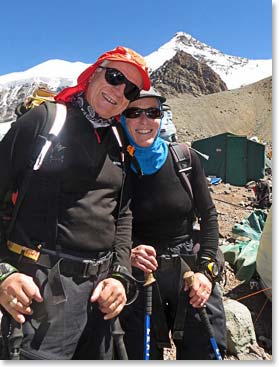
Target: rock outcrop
[{"x": 184, "y": 74}]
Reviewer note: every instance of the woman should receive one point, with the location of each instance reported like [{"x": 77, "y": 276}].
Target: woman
[{"x": 162, "y": 243}]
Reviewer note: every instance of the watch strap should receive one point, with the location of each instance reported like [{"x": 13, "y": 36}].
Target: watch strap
[
  {"x": 210, "y": 269},
  {"x": 6, "y": 270}
]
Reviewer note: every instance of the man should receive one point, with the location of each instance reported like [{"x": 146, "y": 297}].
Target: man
[{"x": 65, "y": 267}]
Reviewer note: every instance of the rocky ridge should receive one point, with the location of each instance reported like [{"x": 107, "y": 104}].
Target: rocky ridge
[{"x": 184, "y": 74}]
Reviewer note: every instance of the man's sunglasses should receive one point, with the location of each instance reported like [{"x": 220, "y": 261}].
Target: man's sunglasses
[
  {"x": 135, "y": 112},
  {"x": 115, "y": 77}
]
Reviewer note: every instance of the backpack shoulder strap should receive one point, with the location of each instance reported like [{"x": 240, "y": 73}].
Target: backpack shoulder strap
[
  {"x": 125, "y": 147},
  {"x": 56, "y": 117},
  {"x": 183, "y": 163}
]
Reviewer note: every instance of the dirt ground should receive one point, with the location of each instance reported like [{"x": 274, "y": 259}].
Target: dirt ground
[{"x": 233, "y": 204}]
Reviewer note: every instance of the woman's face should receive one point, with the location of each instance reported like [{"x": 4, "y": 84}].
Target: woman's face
[{"x": 143, "y": 129}]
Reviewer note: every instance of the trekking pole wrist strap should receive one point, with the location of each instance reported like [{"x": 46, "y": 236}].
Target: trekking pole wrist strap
[{"x": 129, "y": 283}]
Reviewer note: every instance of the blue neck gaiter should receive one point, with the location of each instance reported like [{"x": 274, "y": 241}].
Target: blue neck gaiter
[{"x": 151, "y": 158}]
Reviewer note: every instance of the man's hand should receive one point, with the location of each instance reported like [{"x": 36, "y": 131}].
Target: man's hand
[
  {"x": 16, "y": 295},
  {"x": 200, "y": 290},
  {"x": 144, "y": 258},
  {"x": 111, "y": 296}
]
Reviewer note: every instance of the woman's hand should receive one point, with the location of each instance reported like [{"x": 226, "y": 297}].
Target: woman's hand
[
  {"x": 200, "y": 290},
  {"x": 143, "y": 257},
  {"x": 111, "y": 297},
  {"x": 17, "y": 292}
]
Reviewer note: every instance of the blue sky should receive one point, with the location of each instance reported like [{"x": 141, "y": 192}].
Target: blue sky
[{"x": 35, "y": 31}]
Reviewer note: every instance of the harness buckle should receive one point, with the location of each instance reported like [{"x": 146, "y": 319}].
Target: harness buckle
[{"x": 87, "y": 269}]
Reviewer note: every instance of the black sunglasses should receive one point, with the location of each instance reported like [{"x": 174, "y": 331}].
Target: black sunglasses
[
  {"x": 115, "y": 77},
  {"x": 135, "y": 112}
]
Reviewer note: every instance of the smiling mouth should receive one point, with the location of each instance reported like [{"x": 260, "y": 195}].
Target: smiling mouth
[
  {"x": 143, "y": 132},
  {"x": 109, "y": 99}
]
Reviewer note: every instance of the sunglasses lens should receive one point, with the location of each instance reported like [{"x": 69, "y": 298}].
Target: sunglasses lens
[
  {"x": 115, "y": 77},
  {"x": 153, "y": 113},
  {"x": 134, "y": 112},
  {"x": 131, "y": 91}
]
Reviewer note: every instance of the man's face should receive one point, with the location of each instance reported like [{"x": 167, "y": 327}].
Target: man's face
[{"x": 106, "y": 99}]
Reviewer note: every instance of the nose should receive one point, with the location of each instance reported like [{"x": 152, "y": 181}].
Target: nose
[{"x": 143, "y": 119}]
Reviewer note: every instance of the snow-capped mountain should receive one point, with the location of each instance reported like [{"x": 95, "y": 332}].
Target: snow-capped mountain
[
  {"x": 234, "y": 71},
  {"x": 57, "y": 74}
]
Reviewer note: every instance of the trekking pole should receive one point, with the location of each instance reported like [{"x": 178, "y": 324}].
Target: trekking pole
[
  {"x": 149, "y": 280},
  {"x": 189, "y": 278},
  {"x": 117, "y": 334},
  {"x": 15, "y": 340}
]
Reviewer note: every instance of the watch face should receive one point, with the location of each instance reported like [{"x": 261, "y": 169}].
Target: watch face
[{"x": 213, "y": 268}]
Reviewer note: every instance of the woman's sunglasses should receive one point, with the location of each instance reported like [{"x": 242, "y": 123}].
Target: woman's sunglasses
[
  {"x": 151, "y": 112},
  {"x": 115, "y": 77}
]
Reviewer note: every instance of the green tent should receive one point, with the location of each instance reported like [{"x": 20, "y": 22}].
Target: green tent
[{"x": 234, "y": 158}]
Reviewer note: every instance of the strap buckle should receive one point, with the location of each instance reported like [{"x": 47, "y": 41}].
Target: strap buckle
[
  {"x": 90, "y": 268},
  {"x": 94, "y": 267}
]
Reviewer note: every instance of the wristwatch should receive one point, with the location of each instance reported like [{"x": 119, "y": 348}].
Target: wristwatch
[
  {"x": 6, "y": 270},
  {"x": 210, "y": 270}
]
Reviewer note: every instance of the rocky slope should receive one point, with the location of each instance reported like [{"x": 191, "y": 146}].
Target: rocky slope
[
  {"x": 244, "y": 111},
  {"x": 184, "y": 74}
]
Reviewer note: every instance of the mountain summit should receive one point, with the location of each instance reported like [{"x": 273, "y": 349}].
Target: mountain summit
[
  {"x": 229, "y": 72},
  {"x": 234, "y": 71}
]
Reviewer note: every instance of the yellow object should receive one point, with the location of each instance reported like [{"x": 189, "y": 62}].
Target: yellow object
[
  {"x": 149, "y": 279},
  {"x": 39, "y": 96},
  {"x": 27, "y": 252},
  {"x": 188, "y": 276}
]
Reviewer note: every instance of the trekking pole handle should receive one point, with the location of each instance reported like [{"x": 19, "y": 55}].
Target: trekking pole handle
[
  {"x": 149, "y": 280},
  {"x": 189, "y": 279}
]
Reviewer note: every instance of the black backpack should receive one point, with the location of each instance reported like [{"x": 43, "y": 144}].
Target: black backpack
[
  {"x": 53, "y": 124},
  {"x": 56, "y": 116},
  {"x": 183, "y": 163}
]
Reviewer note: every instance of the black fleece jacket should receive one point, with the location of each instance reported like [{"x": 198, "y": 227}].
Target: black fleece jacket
[
  {"x": 73, "y": 200},
  {"x": 162, "y": 209}
]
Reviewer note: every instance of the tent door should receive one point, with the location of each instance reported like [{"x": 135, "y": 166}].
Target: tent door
[{"x": 236, "y": 160}]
